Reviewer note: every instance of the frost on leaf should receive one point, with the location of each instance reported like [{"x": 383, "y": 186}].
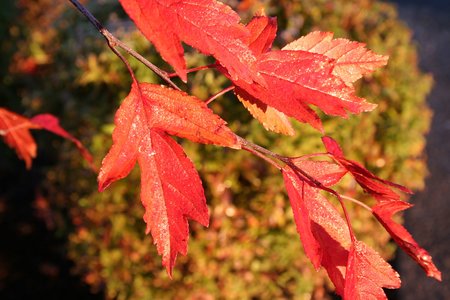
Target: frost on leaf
[{"x": 171, "y": 190}]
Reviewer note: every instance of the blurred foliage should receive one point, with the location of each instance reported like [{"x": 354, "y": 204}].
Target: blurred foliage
[{"x": 54, "y": 61}]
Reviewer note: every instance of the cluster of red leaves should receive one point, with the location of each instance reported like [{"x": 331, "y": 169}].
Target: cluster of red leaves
[
  {"x": 357, "y": 271},
  {"x": 273, "y": 85},
  {"x": 15, "y": 131},
  {"x": 315, "y": 70}
]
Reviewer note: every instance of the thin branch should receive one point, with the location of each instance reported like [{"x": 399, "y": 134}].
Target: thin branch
[
  {"x": 262, "y": 156},
  {"x": 214, "y": 97},
  {"x": 357, "y": 202},
  {"x": 114, "y": 42},
  {"x": 171, "y": 75}
]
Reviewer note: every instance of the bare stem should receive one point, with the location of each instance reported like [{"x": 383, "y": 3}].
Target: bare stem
[
  {"x": 214, "y": 97},
  {"x": 357, "y": 202},
  {"x": 171, "y": 75},
  {"x": 114, "y": 42}
]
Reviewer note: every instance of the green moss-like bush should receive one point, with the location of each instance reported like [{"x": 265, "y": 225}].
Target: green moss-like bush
[{"x": 251, "y": 248}]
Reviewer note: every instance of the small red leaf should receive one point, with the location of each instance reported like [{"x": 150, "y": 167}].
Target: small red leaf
[
  {"x": 352, "y": 58},
  {"x": 208, "y": 25},
  {"x": 384, "y": 211},
  {"x": 51, "y": 123},
  {"x": 262, "y": 33},
  {"x": 332, "y": 146},
  {"x": 367, "y": 274},
  {"x": 171, "y": 189},
  {"x": 15, "y": 130}
]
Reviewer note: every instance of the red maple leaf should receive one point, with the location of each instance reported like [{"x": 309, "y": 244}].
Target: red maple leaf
[
  {"x": 171, "y": 190},
  {"x": 207, "y": 25},
  {"x": 15, "y": 130},
  {"x": 301, "y": 75},
  {"x": 388, "y": 203}
]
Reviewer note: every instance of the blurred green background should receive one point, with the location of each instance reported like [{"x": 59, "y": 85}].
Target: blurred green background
[{"x": 52, "y": 60}]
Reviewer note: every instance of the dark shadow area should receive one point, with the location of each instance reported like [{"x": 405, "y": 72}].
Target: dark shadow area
[
  {"x": 33, "y": 262},
  {"x": 429, "y": 221}
]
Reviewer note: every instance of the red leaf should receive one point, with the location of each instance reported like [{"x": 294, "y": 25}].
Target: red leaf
[
  {"x": 325, "y": 172},
  {"x": 171, "y": 193},
  {"x": 303, "y": 77},
  {"x": 185, "y": 116},
  {"x": 332, "y": 146},
  {"x": 367, "y": 273},
  {"x": 208, "y": 25},
  {"x": 171, "y": 189},
  {"x": 323, "y": 232},
  {"x": 262, "y": 33},
  {"x": 314, "y": 70},
  {"x": 357, "y": 271},
  {"x": 352, "y": 58},
  {"x": 15, "y": 130},
  {"x": 384, "y": 211},
  {"x": 389, "y": 203},
  {"x": 51, "y": 123}
]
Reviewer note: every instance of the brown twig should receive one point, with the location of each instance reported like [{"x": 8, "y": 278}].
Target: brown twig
[{"x": 114, "y": 42}]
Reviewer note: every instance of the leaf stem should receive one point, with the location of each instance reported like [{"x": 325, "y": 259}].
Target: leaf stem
[
  {"x": 114, "y": 42},
  {"x": 171, "y": 75},
  {"x": 224, "y": 91},
  {"x": 357, "y": 202}
]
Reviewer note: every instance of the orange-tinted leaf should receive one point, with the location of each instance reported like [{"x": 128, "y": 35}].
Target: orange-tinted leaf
[
  {"x": 367, "y": 274},
  {"x": 51, "y": 123},
  {"x": 15, "y": 131},
  {"x": 171, "y": 189},
  {"x": 299, "y": 77},
  {"x": 208, "y": 25},
  {"x": 268, "y": 116},
  {"x": 185, "y": 116},
  {"x": 388, "y": 203},
  {"x": 352, "y": 58}
]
